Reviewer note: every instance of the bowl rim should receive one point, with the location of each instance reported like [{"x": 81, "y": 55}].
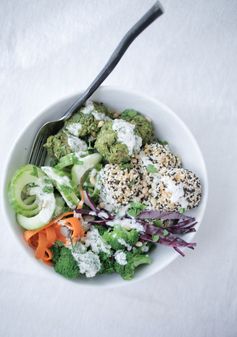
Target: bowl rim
[{"x": 118, "y": 90}]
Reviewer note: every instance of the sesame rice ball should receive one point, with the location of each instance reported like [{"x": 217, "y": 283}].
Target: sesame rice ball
[
  {"x": 119, "y": 186},
  {"x": 172, "y": 189},
  {"x": 158, "y": 155}
]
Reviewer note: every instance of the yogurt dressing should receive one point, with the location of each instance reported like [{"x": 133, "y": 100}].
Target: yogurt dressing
[
  {"x": 127, "y": 224},
  {"x": 176, "y": 190},
  {"x": 74, "y": 128},
  {"x": 76, "y": 144},
  {"x": 126, "y": 135},
  {"x": 95, "y": 241},
  {"x": 120, "y": 257}
]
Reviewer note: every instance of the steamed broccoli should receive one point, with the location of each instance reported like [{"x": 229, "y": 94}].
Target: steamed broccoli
[
  {"x": 88, "y": 120},
  {"x": 64, "y": 262},
  {"x": 107, "y": 263},
  {"x": 121, "y": 238},
  {"x": 143, "y": 125},
  {"x": 127, "y": 271}
]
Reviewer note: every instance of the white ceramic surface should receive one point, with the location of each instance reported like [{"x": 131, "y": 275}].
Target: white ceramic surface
[{"x": 168, "y": 127}]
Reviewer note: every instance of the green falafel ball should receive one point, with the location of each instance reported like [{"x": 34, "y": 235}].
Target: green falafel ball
[
  {"x": 108, "y": 146},
  {"x": 63, "y": 143},
  {"x": 88, "y": 120},
  {"x": 143, "y": 126},
  {"x": 57, "y": 145}
]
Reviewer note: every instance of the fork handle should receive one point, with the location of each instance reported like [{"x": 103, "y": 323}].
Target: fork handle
[{"x": 151, "y": 15}]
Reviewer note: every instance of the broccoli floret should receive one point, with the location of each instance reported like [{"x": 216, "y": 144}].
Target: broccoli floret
[
  {"x": 107, "y": 263},
  {"x": 127, "y": 271},
  {"x": 121, "y": 238},
  {"x": 88, "y": 120},
  {"x": 101, "y": 229},
  {"x": 56, "y": 249},
  {"x": 64, "y": 262},
  {"x": 143, "y": 126}
]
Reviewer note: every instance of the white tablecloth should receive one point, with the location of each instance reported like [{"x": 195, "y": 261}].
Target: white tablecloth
[{"x": 187, "y": 59}]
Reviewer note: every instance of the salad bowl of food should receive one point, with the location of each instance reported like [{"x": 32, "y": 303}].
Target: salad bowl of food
[{"x": 120, "y": 196}]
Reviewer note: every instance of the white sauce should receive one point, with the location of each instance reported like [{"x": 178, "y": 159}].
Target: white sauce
[
  {"x": 100, "y": 116},
  {"x": 103, "y": 214},
  {"x": 88, "y": 262},
  {"x": 43, "y": 198},
  {"x": 52, "y": 175},
  {"x": 89, "y": 108},
  {"x": 122, "y": 211},
  {"x": 74, "y": 128},
  {"x": 126, "y": 135},
  {"x": 96, "y": 243},
  {"x": 76, "y": 144},
  {"x": 177, "y": 191},
  {"x": 120, "y": 257},
  {"x": 105, "y": 196},
  {"x": 126, "y": 223},
  {"x": 145, "y": 159},
  {"x": 124, "y": 243}
]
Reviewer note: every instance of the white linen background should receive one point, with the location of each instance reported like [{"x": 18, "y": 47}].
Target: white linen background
[{"x": 187, "y": 59}]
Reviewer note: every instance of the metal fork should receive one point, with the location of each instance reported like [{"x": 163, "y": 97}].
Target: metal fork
[{"x": 38, "y": 152}]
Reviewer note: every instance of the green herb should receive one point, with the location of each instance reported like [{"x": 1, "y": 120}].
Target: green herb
[
  {"x": 47, "y": 181},
  {"x": 35, "y": 172},
  {"x": 48, "y": 189},
  {"x": 135, "y": 208},
  {"x": 163, "y": 142},
  {"x": 151, "y": 169},
  {"x": 125, "y": 166},
  {"x": 158, "y": 223},
  {"x": 155, "y": 238},
  {"x": 182, "y": 210},
  {"x": 66, "y": 189},
  {"x": 131, "y": 113},
  {"x": 165, "y": 232},
  {"x": 32, "y": 185}
]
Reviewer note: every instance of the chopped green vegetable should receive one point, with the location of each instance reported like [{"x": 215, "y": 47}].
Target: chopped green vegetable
[
  {"x": 121, "y": 238},
  {"x": 182, "y": 210},
  {"x": 165, "y": 232},
  {"x": 64, "y": 262},
  {"x": 155, "y": 238},
  {"x": 135, "y": 208},
  {"x": 133, "y": 261},
  {"x": 48, "y": 189},
  {"x": 158, "y": 223},
  {"x": 151, "y": 169},
  {"x": 107, "y": 263}
]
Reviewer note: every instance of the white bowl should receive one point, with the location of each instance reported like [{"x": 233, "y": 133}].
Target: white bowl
[{"x": 168, "y": 127}]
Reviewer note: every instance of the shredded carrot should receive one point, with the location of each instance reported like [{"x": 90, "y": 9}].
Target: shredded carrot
[
  {"x": 75, "y": 225},
  {"x": 43, "y": 238}
]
